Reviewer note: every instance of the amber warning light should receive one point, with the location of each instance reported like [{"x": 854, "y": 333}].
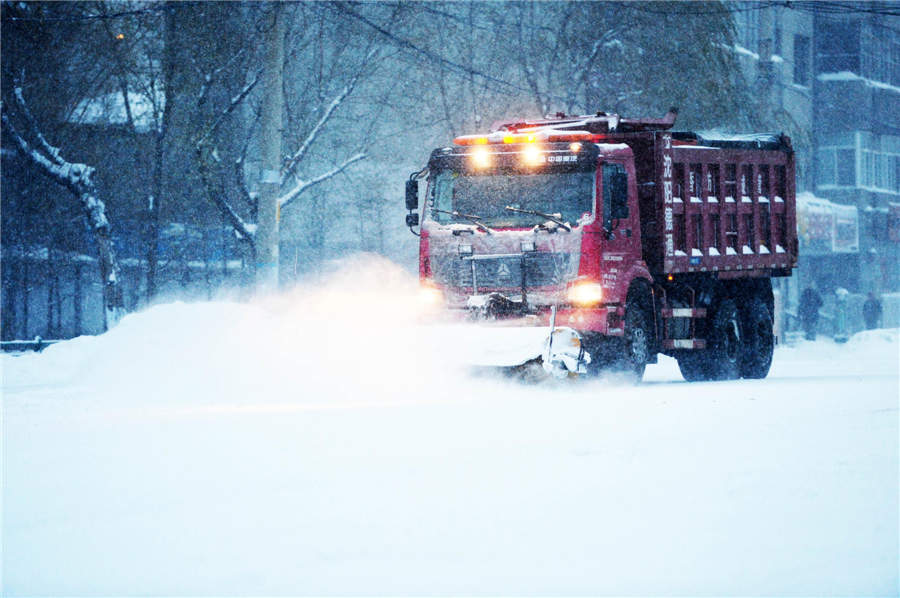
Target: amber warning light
[{"x": 546, "y": 135}]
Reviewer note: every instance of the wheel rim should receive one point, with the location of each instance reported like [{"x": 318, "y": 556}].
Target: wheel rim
[
  {"x": 731, "y": 340},
  {"x": 638, "y": 346}
]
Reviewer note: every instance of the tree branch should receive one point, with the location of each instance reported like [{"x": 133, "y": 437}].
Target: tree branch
[
  {"x": 239, "y": 169},
  {"x": 234, "y": 103},
  {"x": 302, "y": 185},
  {"x": 51, "y": 151},
  {"x": 208, "y": 78},
  {"x": 75, "y": 177},
  {"x": 218, "y": 197},
  {"x": 298, "y": 156},
  {"x": 244, "y": 229}
]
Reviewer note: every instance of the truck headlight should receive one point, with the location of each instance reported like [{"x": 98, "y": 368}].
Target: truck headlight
[
  {"x": 481, "y": 157},
  {"x": 430, "y": 295},
  {"x": 532, "y": 155},
  {"x": 585, "y": 293}
]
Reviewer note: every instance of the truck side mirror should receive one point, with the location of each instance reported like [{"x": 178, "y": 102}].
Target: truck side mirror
[
  {"x": 412, "y": 194},
  {"x": 619, "y": 195},
  {"x": 412, "y": 219}
]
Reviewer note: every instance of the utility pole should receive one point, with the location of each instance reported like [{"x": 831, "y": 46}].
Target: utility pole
[{"x": 270, "y": 146}]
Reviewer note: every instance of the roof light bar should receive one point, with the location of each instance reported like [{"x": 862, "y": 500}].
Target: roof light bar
[{"x": 548, "y": 135}]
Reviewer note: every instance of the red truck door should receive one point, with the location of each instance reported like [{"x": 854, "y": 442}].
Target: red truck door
[{"x": 621, "y": 242}]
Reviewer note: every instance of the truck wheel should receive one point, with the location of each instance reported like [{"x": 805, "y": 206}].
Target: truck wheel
[
  {"x": 636, "y": 350},
  {"x": 724, "y": 343},
  {"x": 693, "y": 366},
  {"x": 758, "y": 342}
]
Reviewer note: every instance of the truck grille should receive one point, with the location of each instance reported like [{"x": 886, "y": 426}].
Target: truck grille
[{"x": 494, "y": 272}]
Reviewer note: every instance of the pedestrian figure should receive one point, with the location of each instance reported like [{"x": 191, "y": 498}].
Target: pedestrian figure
[
  {"x": 841, "y": 332},
  {"x": 872, "y": 311},
  {"x": 810, "y": 302}
]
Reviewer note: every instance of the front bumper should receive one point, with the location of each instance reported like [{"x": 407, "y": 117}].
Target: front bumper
[{"x": 605, "y": 320}]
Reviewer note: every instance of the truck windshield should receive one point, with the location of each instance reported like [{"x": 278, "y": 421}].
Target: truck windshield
[{"x": 568, "y": 194}]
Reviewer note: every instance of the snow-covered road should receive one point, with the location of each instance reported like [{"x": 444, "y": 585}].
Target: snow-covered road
[{"x": 232, "y": 449}]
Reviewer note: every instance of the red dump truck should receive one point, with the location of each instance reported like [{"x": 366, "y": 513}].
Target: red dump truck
[{"x": 623, "y": 237}]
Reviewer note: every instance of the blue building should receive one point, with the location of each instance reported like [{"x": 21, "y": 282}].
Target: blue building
[{"x": 856, "y": 124}]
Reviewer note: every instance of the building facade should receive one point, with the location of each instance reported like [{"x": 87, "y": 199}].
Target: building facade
[
  {"x": 856, "y": 123},
  {"x": 773, "y": 46},
  {"x": 828, "y": 74}
]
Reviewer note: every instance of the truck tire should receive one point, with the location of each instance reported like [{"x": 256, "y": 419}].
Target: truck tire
[
  {"x": 693, "y": 366},
  {"x": 759, "y": 340},
  {"x": 636, "y": 345},
  {"x": 721, "y": 359},
  {"x": 724, "y": 343}
]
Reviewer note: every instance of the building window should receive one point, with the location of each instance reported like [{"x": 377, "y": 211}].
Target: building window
[
  {"x": 826, "y": 167},
  {"x": 837, "y": 46},
  {"x": 879, "y": 162},
  {"x": 878, "y": 158},
  {"x": 879, "y": 55},
  {"x": 897, "y": 173},
  {"x": 846, "y": 167},
  {"x": 801, "y": 60},
  {"x": 837, "y": 162},
  {"x": 777, "y": 45},
  {"x": 747, "y": 21},
  {"x": 895, "y": 61},
  {"x": 880, "y": 171}
]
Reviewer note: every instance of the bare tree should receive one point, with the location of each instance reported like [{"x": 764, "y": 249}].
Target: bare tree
[
  {"x": 226, "y": 187},
  {"x": 215, "y": 183},
  {"x": 141, "y": 77},
  {"x": 77, "y": 178},
  {"x": 143, "y": 59}
]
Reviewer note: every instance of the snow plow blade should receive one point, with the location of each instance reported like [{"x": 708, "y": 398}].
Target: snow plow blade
[{"x": 515, "y": 349}]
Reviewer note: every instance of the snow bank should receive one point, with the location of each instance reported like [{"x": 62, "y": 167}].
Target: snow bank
[{"x": 354, "y": 330}]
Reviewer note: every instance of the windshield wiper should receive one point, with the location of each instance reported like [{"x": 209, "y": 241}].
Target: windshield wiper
[
  {"x": 476, "y": 220},
  {"x": 550, "y": 217}
]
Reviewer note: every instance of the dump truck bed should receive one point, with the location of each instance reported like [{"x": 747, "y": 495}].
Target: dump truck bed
[{"x": 723, "y": 205}]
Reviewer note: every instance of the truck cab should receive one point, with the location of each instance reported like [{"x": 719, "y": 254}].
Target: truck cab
[{"x": 524, "y": 227}]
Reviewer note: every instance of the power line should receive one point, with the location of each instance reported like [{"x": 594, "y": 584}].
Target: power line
[
  {"x": 812, "y": 7},
  {"x": 94, "y": 17},
  {"x": 807, "y": 6},
  {"x": 873, "y": 8},
  {"x": 722, "y": 8},
  {"x": 404, "y": 43},
  {"x": 454, "y": 66}
]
